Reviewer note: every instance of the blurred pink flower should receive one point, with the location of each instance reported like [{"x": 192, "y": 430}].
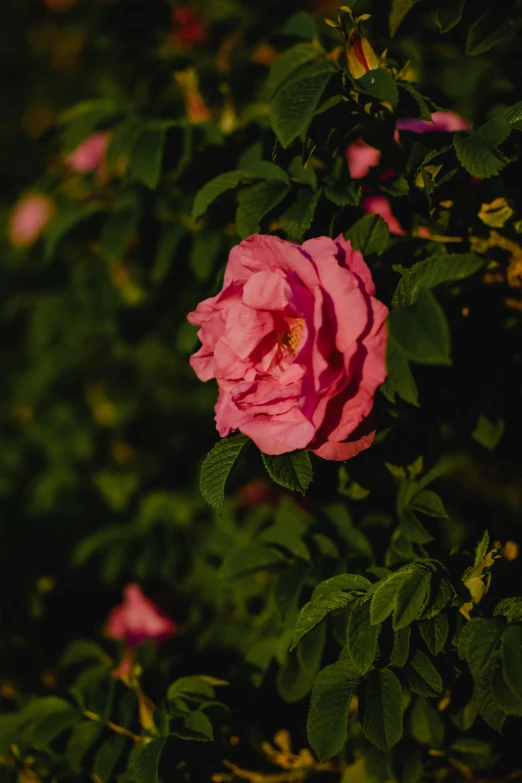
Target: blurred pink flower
[
  {"x": 138, "y": 619},
  {"x": 28, "y": 219},
  {"x": 361, "y": 157},
  {"x": 441, "y": 121},
  {"x": 257, "y": 492},
  {"x": 89, "y": 156},
  {"x": 379, "y": 205}
]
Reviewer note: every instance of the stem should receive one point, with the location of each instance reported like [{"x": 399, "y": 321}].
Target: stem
[{"x": 112, "y": 726}]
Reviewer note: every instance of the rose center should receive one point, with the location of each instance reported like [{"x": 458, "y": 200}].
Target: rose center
[{"x": 292, "y": 338}]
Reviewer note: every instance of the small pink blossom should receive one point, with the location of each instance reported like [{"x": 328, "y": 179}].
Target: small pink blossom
[
  {"x": 296, "y": 341},
  {"x": 138, "y": 619},
  {"x": 28, "y": 219},
  {"x": 441, "y": 121},
  {"x": 379, "y": 205},
  {"x": 361, "y": 157},
  {"x": 89, "y": 156}
]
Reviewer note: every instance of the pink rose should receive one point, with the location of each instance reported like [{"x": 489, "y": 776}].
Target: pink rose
[
  {"x": 89, "y": 156},
  {"x": 296, "y": 341},
  {"x": 28, "y": 219},
  {"x": 138, "y": 619},
  {"x": 361, "y": 157},
  {"x": 441, "y": 121},
  {"x": 379, "y": 205}
]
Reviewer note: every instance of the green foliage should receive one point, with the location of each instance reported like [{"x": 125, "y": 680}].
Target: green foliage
[
  {"x": 234, "y": 123},
  {"x": 292, "y": 471},
  {"x": 329, "y": 705},
  {"x": 216, "y": 468}
]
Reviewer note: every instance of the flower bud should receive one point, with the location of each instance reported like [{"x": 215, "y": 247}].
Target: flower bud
[{"x": 360, "y": 55}]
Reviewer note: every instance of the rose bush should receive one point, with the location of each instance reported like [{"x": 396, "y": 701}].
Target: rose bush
[{"x": 296, "y": 341}]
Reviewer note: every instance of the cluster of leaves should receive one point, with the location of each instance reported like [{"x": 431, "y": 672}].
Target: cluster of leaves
[{"x": 362, "y": 595}]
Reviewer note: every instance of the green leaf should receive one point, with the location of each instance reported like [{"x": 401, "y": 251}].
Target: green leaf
[
  {"x": 328, "y": 715},
  {"x": 117, "y": 233},
  {"x": 508, "y": 701},
  {"x": 477, "y": 151},
  {"x": 380, "y": 84},
  {"x": 381, "y": 605},
  {"x": 448, "y": 16},
  {"x": 426, "y": 725},
  {"x": 83, "y": 650},
  {"x": 292, "y": 109},
  {"x": 255, "y": 203},
  {"x": 435, "y": 633},
  {"x": 197, "y": 726},
  {"x": 362, "y": 638},
  {"x": 412, "y": 529},
  {"x": 299, "y": 216},
  {"x": 424, "y": 112},
  {"x": 297, "y": 675},
  {"x": 287, "y": 64},
  {"x": 147, "y": 156},
  {"x": 107, "y": 757},
  {"x": 343, "y": 194},
  {"x": 346, "y": 582},
  {"x": 513, "y": 114},
  {"x": 82, "y": 738},
  {"x": 247, "y": 560},
  {"x": 264, "y": 169},
  {"x": 490, "y": 29},
  {"x": 382, "y": 716},
  {"x": 483, "y": 640},
  {"x": 433, "y": 272},
  {"x": 401, "y": 647},
  {"x": 195, "y": 687},
  {"x": 146, "y": 761},
  {"x": 510, "y": 608},
  {"x": 422, "y": 331},
  {"x": 411, "y": 598},
  {"x": 292, "y": 470},
  {"x": 399, "y": 9},
  {"x": 286, "y": 538},
  {"x": 204, "y": 252},
  {"x": 122, "y": 141},
  {"x": 216, "y": 468},
  {"x": 216, "y": 187},
  {"x": 423, "y": 677},
  {"x": 487, "y": 432},
  {"x": 429, "y": 503},
  {"x": 399, "y": 380},
  {"x": 511, "y": 650},
  {"x": 315, "y": 611},
  {"x": 300, "y": 25},
  {"x": 369, "y": 235}
]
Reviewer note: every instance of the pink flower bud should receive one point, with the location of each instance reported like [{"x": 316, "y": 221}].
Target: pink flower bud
[
  {"x": 28, "y": 219},
  {"x": 360, "y": 56},
  {"x": 361, "y": 157},
  {"x": 441, "y": 121},
  {"x": 89, "y": 156},
  {"x": 379, "y": 205},
  {"x": 138, "y": 619}
]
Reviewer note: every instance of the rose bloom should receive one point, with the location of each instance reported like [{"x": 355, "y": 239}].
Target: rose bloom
[
  {"x": 89, "y": 156},
  {"x": 296, "y": 341},
  {"x": 135, "y": 621},
  {"x": 28, "y": 219}
]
